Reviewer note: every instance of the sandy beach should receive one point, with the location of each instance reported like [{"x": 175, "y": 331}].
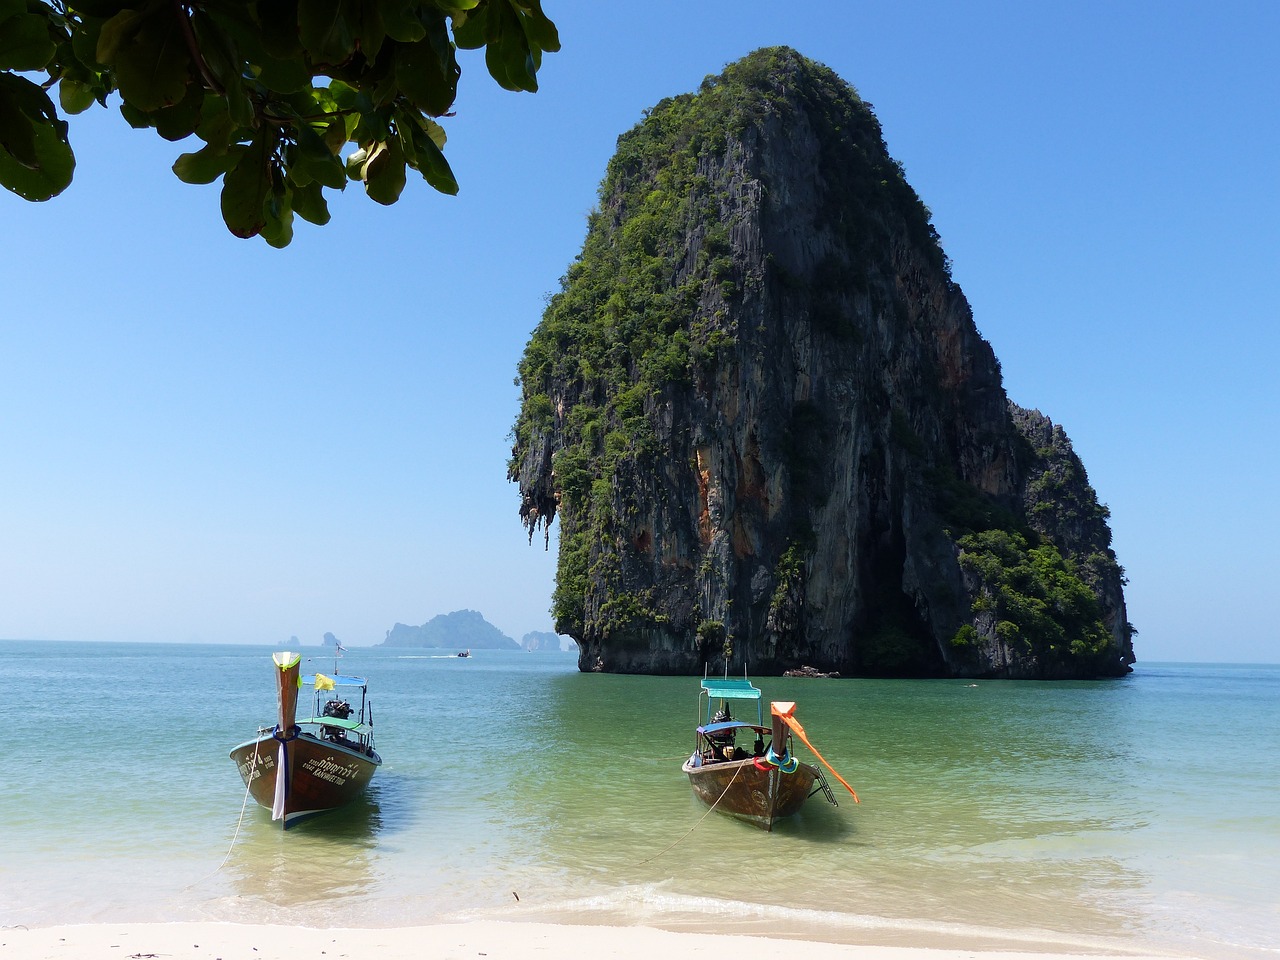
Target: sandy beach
[{"x": 495, "y": 940}]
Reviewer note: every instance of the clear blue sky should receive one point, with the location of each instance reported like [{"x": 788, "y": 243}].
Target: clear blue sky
[{"x": 204, "y": 439}]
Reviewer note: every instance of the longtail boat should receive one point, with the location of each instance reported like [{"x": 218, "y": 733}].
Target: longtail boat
[
  {"x": 760, "y": 784},
  {"x": 305, "y": 766}
]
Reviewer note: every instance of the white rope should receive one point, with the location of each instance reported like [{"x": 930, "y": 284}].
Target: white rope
[
  {"x": 710, "y": 809},
  {"x": 253, "y": 768}
]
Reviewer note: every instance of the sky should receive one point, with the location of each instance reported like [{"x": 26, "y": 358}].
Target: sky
[{"x": 203, "y": 439}]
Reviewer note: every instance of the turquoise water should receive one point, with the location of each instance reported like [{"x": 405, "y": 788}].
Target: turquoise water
[{"x": 1138, "y": 813}]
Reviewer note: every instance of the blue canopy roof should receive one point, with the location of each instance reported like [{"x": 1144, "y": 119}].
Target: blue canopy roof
[
  {"x": 724, "y": 725},
  {"x": 338, "y": 681}
]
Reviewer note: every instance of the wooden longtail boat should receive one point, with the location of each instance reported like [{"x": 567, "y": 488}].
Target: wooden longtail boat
[
  {"x": 304, "y": 766},
  {"x": 761, "y": 784}
]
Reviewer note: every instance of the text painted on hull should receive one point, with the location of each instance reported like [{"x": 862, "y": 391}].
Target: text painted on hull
[{"x": 330, "y": 771}]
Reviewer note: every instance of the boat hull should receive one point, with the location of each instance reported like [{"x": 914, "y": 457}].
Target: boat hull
[
  {"x": 740, "y": 789},
  {"x": 320, "y": 775}
]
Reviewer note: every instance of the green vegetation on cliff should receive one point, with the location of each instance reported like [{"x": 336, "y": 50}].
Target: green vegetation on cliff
[{"x": 1034, "y": 595}]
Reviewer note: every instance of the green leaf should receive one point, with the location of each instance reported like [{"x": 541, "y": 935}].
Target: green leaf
[
  {"x": 380, "y": 80},
  {"x": 240, "y": 107},
  {"x": 508, "y": 56},
  {"x": 537, "y": 27},
  {"x": 310, "y": 205},
  {"x": 25, "y": 42},
  {"x": 246, "y": 46},
  {"x": 84, "y": 47},
  {"x": 284, "y": 76},
  {"x": 372, "y": 125},
  {"x": 399, "y": 22},
  {"x": 17, "y": 127},
  {"x": 434, "y": 131},
  {"x": 138, "y": 119},
  {"x": 36, "y": 161},
  {"x": 207, "y": 164},
  {"x": 431, "y": 162},
  {"x": 278, "y": 22},
  {"x": 428, "y": 72},
  {"x": 219, "y": 50},
  {"x": 324, "y": 31},
  {"x": 384, "y": 176},
  {"x": 315, "y": 161},
  {"x": 365, "y": 22},
  {"x": 338, "y": 133},
  {"x": 343, "y": 94},
  {"x": 74, "y": 96},
  {"x": 181, "y": 120},
  {"x": 279, "y": 231},
  {"x": 116, "y": 32},
  {"x": 277, "y": 228},
  {"x": 216, "y": 126},
  {"x": 355, "y": 164},
  {"x": 152, "y": 70},
  {"x": 470, "y": 30},
  {"x": 245, "y": 187}
]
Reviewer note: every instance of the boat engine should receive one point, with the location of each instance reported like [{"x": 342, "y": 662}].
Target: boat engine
[{"x": 338, "y": 708}]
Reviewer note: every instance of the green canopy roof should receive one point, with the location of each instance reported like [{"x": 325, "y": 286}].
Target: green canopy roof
[
  {"x": 355, "y": 726},
  {"x": 731, "y": 689}
]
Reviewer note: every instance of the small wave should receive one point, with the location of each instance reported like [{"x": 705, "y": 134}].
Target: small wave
[{"x": 651, "y": 905}]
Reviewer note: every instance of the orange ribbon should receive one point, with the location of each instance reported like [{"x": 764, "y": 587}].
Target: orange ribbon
[{"x": 798, "y": 730}]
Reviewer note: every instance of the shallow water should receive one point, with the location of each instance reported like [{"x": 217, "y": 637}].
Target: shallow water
[{"x": 1135, "y": 813}]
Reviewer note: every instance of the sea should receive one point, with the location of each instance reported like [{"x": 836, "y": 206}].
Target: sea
[{"x": 1138, "y": 814}]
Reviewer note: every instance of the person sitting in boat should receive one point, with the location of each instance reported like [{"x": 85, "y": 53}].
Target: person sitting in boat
[{"x": 723, "y": 745}]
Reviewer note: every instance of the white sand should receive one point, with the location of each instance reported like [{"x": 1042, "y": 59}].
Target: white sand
[{"x": 491, "y": 939}]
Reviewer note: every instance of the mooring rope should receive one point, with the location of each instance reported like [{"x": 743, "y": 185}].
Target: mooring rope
[
  {"x": 710, "y": 810},
  {"x": 253, "y": 767}
]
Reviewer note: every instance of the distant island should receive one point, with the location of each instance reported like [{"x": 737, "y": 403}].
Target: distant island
[{"x": 460, "y": 630}]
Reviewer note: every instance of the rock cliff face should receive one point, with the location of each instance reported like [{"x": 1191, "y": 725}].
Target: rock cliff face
[{"x": 773, "y": 436}]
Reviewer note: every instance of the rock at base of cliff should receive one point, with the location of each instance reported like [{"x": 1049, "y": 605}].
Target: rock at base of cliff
[{"x": 807, "y": 671}]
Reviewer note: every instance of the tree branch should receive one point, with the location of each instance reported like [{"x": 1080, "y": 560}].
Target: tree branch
[{"x": 193, "y": 47}]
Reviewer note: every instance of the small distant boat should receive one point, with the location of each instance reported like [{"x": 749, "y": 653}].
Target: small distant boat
[
  {"x": 760, "y": 784},
  {"x": 305, "y": 766},
  {"x": 465, "y": 653}
]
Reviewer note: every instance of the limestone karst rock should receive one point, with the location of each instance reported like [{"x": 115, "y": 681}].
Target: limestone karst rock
[{"x": 772, "y": 434}]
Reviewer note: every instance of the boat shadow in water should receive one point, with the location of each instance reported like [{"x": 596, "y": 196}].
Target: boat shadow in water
[
  {"x": 386, "y": 808},
  {"x": 358, "y": 822},
  {"x": 817, "y": 823},
  {"x": 327, "y": 859}
]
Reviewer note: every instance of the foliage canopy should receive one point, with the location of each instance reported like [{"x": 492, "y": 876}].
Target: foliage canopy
[{"x": 274, "y": 88}]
